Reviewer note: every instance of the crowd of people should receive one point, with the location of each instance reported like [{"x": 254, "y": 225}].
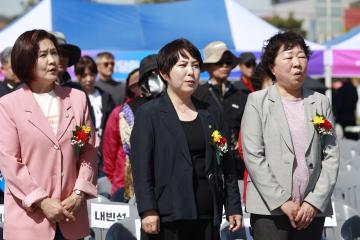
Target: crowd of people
[{"x": 176, "y": 145}]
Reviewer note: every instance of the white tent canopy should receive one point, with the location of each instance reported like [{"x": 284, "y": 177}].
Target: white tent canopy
[
  {"x": 253, "y": 38},
  {"x": 245, "y": 38},
  {"x": 344, "y": 56},
  {"x": 235, "y": 25},
  {"x": 38, "y": 17}
]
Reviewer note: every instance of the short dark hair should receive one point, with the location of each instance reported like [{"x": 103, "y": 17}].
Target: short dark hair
[
  {"x": 83, "y": 63},
  {"x": 169, "y": 54},
  {"x": 270, "y": 50},
  {"x": 25, "y": 53},
  {"x": 259, "y": 76}
]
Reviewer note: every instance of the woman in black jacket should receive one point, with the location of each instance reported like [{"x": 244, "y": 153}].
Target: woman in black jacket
[{"x": 183, "y": 174}]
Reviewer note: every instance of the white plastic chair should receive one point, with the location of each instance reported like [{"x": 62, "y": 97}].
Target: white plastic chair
[
  {"x": 343, "y": 212},
  {"x": 348, "y": 187}
]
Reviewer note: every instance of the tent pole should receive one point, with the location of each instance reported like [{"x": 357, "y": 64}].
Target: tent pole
[{"x": 328, "y": 73}]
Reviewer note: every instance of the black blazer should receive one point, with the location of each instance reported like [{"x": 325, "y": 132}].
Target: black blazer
[
  {"x": 4, "y": 89},
  {"x": 107, "y": 106},
  {"x": 162, "y": 166}
]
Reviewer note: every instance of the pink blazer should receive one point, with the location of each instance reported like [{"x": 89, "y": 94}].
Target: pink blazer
[{"x": 37, "y": 163}]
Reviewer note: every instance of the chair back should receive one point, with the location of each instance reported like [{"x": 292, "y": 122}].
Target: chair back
[
  {"x": 351, "y": 228},
  {"x": 120, "y": 231},
  {"x": 348, "y": 187}
]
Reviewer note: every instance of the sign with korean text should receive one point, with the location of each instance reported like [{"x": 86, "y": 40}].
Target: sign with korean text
[
  {"x": 331, "y": 221},
  {"x": 105, "y": 215}
]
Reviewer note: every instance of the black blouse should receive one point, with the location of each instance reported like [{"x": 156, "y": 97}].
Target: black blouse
[{"x": 194, "y": 133}]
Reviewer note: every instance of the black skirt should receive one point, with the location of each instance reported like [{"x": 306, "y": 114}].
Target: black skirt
[{"x": 202, "y": 229}]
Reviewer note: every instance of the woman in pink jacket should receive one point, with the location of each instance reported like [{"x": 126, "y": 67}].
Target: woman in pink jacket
[{"x": 49, "y": 170}]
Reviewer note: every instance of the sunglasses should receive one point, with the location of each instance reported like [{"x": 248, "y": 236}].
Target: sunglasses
[
  {"x": 224, "y": 62},
  {"x": 250, "y": 64},
  {"x": 106, "y": 64}
]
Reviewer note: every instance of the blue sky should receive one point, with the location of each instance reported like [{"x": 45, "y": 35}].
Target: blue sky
[{"x": 10, "y": 7}]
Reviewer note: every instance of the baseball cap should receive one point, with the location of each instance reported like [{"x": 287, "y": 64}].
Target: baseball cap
[
  {"x": 215, "y": 51},
  {"x": 246, "y": 57},
  {"x": 147, "y": 64},
  {"x": 73, "y": 52}
]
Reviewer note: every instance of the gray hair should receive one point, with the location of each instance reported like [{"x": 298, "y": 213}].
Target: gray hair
[
  {"x": 101, "y": 55},
  {"x": 5, "y": 56}
]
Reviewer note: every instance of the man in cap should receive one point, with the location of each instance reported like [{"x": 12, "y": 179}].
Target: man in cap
[
  {"x": 149, "y": 79},
  {"x": 69, "y": 55},
  {"x": 11, "y": 81},
  {"x": 218, "y": 91},
  {"x": 247, "y": 64},
  {"x": 105, "y": 64}
]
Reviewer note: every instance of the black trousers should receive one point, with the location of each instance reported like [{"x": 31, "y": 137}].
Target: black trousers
[
  {"x": 58, "y": 234},
  {"x": 267, "y": 227}
]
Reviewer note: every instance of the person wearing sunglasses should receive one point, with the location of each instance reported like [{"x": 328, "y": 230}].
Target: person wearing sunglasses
[
  {"x": 218, "y": 91},
  {"x": 247, "y": 64},
  {"x": 105, "y": 62}
]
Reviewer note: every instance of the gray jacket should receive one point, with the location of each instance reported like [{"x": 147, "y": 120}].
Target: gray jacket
[{"x": 269, "y": 153}]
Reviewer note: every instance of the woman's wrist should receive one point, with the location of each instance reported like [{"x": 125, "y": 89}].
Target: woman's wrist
[
  {"x": 80, "y": 194},
  {"x": 39, "y": 202}
]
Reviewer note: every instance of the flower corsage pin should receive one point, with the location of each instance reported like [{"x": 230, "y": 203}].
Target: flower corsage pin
[
  {"x": 81, "y": 136},
  {"x": 322, "y": 125},
  {"x": 219, "y": 142}
]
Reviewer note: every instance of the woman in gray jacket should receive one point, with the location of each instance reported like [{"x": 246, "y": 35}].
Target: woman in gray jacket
[{"x": 290, "y": 147}]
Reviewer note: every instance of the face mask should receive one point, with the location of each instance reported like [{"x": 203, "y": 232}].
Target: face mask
[
  {"x": 152, "y": 85},
  {"x": 156, "y": 85}
]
